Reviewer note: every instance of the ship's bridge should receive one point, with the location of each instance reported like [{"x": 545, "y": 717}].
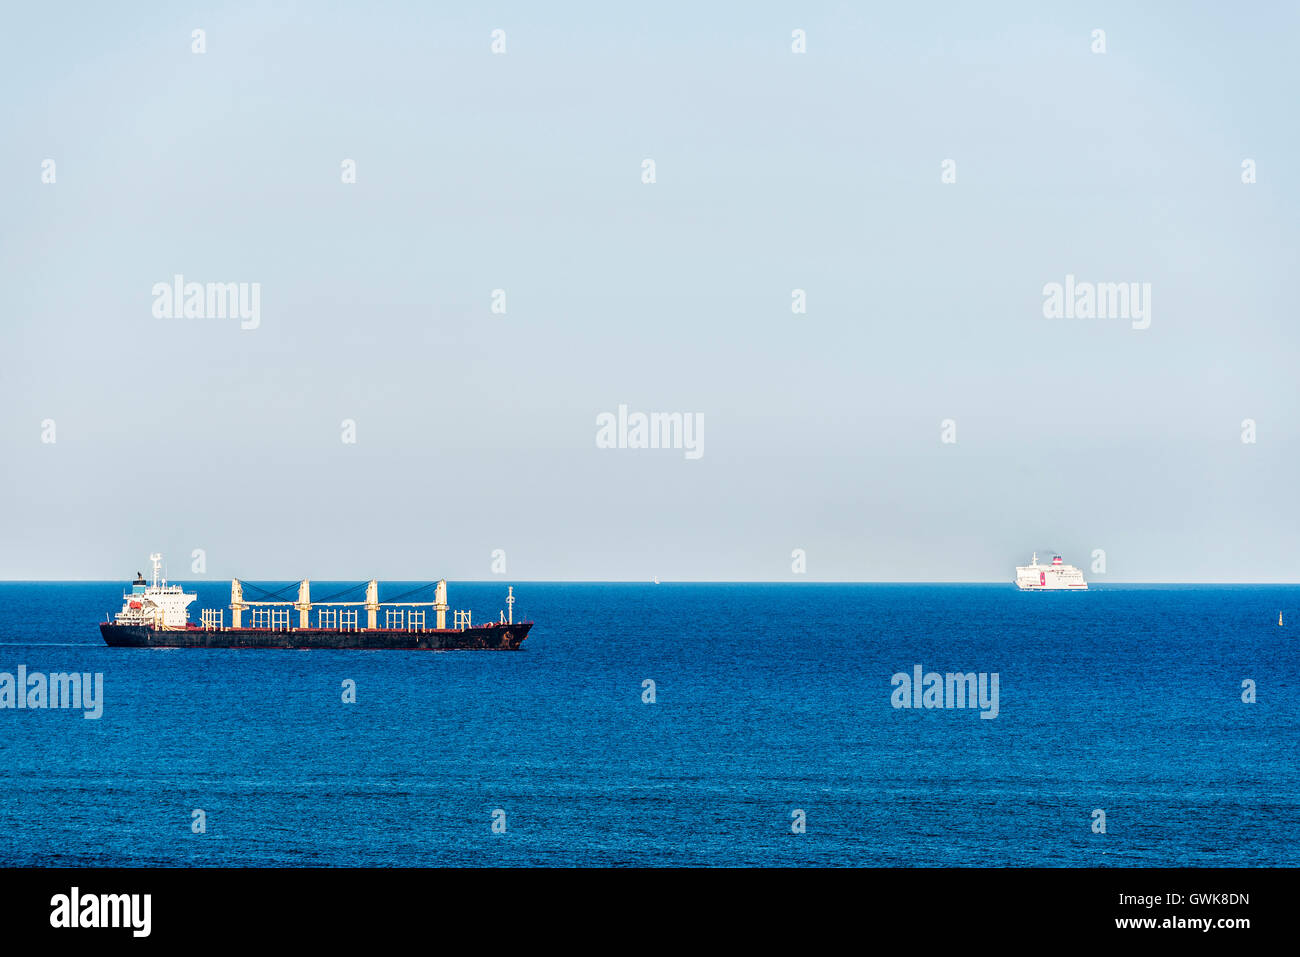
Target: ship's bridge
[{"x": 158, "y": 604}]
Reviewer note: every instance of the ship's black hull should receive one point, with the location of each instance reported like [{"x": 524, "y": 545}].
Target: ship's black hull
[{"x": 496, "y": 636}]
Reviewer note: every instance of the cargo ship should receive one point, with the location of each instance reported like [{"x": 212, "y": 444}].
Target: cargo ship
[
  {"x": 155, "y": 615},
  {"x": 1057, "y": 576}
]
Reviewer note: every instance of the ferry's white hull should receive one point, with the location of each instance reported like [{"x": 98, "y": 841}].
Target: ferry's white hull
[{"x": 1054, "y": 577}]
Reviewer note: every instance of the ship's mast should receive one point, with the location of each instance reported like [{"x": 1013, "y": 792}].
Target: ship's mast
[
  {"x": 156, "y": 558},
  {"x": 510, "y": 602}
]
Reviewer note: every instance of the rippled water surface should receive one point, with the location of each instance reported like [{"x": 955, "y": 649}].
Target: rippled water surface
[{"x": 769, "y": 698}]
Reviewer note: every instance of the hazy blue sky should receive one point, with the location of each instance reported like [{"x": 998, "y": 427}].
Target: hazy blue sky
[{"x": 775, "y": 171}]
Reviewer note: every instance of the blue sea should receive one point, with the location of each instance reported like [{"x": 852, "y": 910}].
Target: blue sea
[{"x": 768, "y": 700}]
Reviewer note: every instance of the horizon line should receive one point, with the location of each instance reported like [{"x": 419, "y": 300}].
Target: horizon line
[{"x": 635, "y": 581}]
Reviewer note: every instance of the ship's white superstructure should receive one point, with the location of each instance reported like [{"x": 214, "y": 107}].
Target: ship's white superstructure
[
  {"x": 1054, "y": 577},
  {"x": 159, "y": 604}
]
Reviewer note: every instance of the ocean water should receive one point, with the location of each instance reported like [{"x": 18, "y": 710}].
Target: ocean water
[{"x": 768, "y": 699}]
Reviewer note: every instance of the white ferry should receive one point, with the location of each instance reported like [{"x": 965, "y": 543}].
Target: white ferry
[{"x": 1054, "y": 577}]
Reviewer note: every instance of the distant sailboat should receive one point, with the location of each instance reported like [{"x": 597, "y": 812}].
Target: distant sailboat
[
  {"x": 657, "y": 582},
  {"x": 1279, "y": 619}
]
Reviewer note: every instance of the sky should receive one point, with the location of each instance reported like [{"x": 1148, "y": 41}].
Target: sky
[{"x": 125, "y": 432}]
